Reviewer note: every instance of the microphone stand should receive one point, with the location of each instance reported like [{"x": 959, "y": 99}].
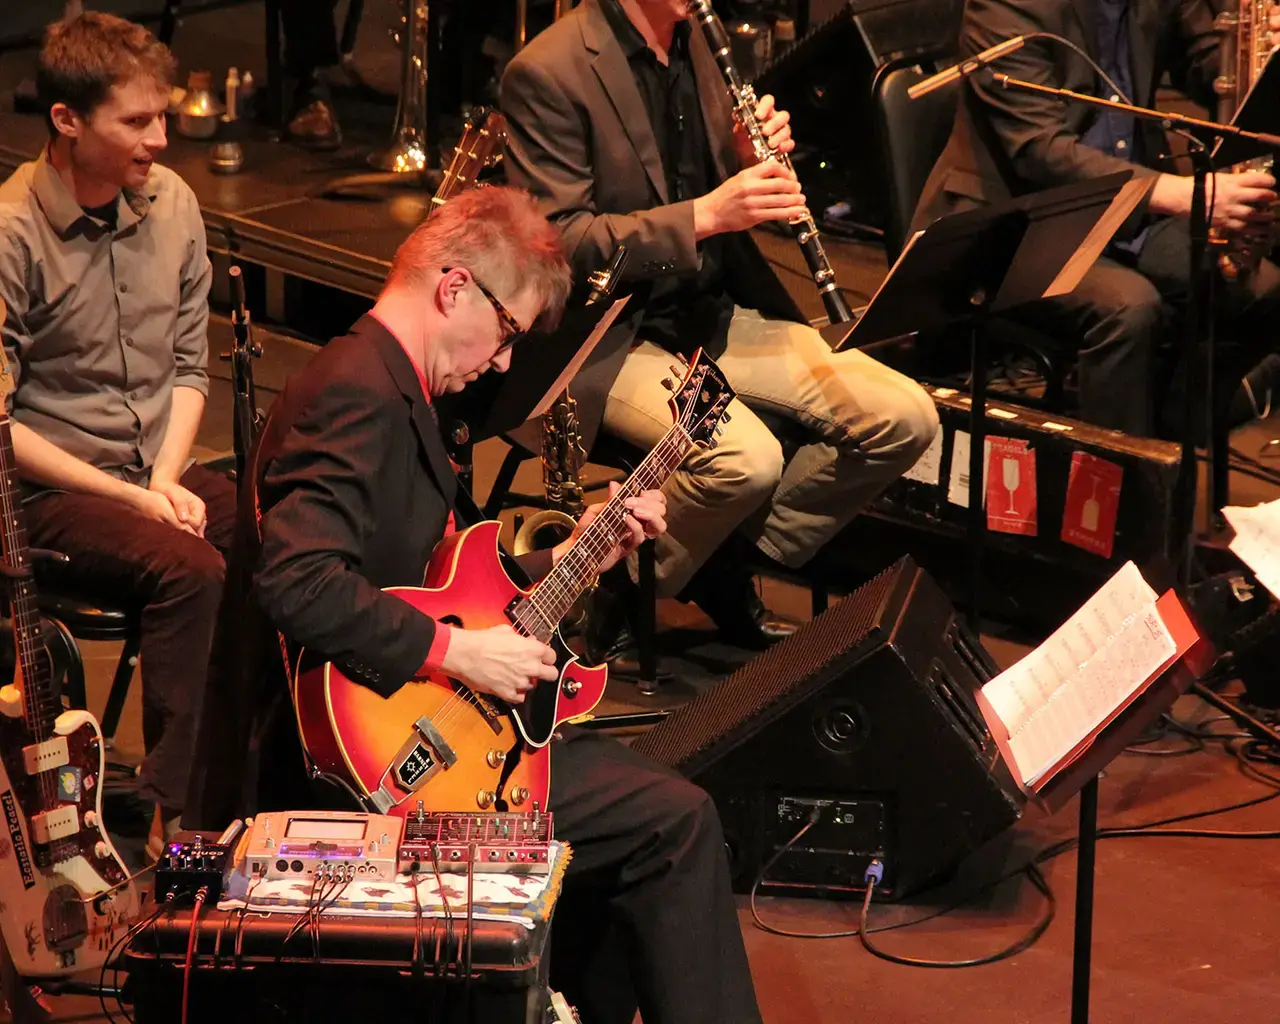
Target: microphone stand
[{"x": 1199, "y": 352}]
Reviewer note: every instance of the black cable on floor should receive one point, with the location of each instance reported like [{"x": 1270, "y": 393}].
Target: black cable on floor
[{"x": 1021, "y": 945}]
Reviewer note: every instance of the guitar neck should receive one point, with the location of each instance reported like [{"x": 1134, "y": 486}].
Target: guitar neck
[
  {"x": 540, "y": 613},
  {"x": 40, "y": 704}
]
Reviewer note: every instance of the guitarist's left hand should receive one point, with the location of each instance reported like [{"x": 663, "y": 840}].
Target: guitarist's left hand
[{"x": 646, "y": 518}]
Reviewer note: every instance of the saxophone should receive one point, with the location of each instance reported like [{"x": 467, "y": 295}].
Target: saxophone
[
  {"x": 563, "y": 454},
  {"x": 1244, "y": 50},
  {"x": 743, "y": 97}
]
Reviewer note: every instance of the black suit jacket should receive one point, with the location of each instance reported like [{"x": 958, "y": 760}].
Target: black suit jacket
[
  {"x": 353, "y": 490},
  {"x": 579, "y": 138},
  {"x": 1007, "y": 143}
]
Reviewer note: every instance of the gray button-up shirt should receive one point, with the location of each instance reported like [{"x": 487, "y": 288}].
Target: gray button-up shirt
[{"x": 102, "y": 325}]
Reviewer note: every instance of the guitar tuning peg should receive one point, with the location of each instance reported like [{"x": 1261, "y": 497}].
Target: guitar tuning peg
[
  {"x": 711, "y": 443},
  {"x": 725, "y": 417},
  {"x": 676, "y": 370},
  {"x": 668, "y": 383},
  {"x": 719, "y": 431}
]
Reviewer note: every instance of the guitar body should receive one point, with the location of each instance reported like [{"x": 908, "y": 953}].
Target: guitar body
[
  {"x": 436, "y": 741},
  {"x": 51, "y": 922}
]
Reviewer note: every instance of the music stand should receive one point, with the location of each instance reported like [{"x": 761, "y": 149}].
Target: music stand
[
  {"x": 967, "y": 266},
  {"x": 541, "y": 367}
]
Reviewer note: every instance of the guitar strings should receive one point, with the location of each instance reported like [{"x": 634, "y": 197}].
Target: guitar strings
[{"x": 592, "y": 547}]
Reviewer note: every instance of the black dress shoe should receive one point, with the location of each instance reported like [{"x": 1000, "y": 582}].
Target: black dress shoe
[
  {"x": 316, "y": 127},
  {"x": 726, "y": 591}
]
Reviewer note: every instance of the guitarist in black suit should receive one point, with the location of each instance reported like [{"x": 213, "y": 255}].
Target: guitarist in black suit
[
  {"x": 1007, "y": 142},
  {"x": 353, "y": 492}
]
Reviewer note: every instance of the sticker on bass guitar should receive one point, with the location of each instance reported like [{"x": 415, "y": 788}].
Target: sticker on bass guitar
[{"x": 17, "y": 839}]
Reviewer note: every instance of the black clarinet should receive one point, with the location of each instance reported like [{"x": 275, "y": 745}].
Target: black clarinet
[{"x": 744, "y": 109}]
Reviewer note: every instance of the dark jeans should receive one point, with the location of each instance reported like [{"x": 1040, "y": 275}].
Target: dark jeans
[
  {"x": 176, "y": 580},
  {"x": 1125, "y": 321},
  {"x": 647, "y": 916}
]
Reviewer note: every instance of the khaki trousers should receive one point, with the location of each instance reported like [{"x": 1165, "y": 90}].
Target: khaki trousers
[{"x": 867, "y": 424}]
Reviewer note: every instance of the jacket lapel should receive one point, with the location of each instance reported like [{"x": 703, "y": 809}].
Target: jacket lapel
[
  {"x": 424, "y": 422},
  {"x": 611, "y": 67}
]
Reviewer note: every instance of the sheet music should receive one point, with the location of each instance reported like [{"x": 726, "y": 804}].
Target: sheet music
[
  {"x": 1087, "y": 253},
  {"x": 1257, "y": 540},
  {"x": 575, "y": 364},
  {"x": 1079, "y": 678}
]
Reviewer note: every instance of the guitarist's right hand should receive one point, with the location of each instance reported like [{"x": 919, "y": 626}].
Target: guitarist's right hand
[{"x": 498, "y": 661}]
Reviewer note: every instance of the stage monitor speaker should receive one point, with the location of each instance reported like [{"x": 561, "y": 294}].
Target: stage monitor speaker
[{"x": 864, "y": 723}]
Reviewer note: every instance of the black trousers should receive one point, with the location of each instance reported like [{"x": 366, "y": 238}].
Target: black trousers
[
  {"x": 1125, "y": 319},
  {"x": 647, "y": 917},
  {"x": 310, "y": 36},
  {"x": 175, "y": 578}
]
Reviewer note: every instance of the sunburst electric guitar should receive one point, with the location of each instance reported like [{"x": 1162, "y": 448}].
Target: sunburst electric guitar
[
  {"x": 438, "y": 743},
  {"x": 64, "y": 893}
]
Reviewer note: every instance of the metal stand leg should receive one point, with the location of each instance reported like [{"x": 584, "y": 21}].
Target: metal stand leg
[
  {"x": 120, "y": 686},
  {"x": 646, "y": 620},
  {"x": 977, "y": 524},
  {"x": 1082, "y": 950}
]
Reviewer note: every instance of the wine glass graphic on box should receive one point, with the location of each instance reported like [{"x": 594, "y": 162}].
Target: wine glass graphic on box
[
  {"x": 1012, "y": 479},
  {"x": 1091, "y": 510}
]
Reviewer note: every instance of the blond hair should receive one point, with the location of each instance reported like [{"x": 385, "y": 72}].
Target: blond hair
[{"x": 498, "y": 234}]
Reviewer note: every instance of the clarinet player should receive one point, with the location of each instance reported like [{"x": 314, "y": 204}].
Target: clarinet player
[{"x": 620, "y": 123}]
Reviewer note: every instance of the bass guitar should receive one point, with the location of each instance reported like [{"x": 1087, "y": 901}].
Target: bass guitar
[
  {"x": 65, "y": 896},
  {"x": 436, "y": 744}
]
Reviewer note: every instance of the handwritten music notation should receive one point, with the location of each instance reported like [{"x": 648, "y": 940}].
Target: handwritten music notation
[{"x": 1065, "y": 691}]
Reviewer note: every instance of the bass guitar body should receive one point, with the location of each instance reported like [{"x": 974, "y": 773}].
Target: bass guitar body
[
  {"x": 66, "y": 897},
  {"x": 435, "y": 743}
]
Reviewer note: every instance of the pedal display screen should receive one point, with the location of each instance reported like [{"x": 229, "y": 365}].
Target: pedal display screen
[{"x": 325, "y": 828}]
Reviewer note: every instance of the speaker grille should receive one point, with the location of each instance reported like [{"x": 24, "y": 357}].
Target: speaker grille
[{"x": 768, "y": 685}]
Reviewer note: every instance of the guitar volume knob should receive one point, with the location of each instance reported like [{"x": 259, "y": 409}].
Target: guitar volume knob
[
  {"x": 495, "y": 758},
  {"x": 485, "y": 799}
]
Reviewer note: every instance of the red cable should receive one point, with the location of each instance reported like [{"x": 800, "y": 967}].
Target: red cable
[{"x": 191, "y": 950}]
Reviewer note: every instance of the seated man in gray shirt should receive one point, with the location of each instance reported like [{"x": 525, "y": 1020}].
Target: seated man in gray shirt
[{"x": 105, "y": 277}]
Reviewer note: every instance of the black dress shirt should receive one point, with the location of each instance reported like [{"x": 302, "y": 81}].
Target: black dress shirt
[{"x": 686, "y": 311}]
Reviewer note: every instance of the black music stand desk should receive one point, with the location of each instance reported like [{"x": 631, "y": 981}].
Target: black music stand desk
[{"x": 967, "y": 266}]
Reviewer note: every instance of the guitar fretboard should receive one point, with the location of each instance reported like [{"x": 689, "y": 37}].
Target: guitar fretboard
[
  {"x": 40, "y": 705},
  {"x": 540, "y": 613}
]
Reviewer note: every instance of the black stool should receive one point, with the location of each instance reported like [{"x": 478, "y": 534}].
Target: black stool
[{"x": 79, "y": 618}]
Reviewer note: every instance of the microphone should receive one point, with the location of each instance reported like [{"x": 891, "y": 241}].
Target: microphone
[{"x": 966, "y": 67}]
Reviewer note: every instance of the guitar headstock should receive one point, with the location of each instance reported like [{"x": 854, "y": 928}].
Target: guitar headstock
[
  {"x": 699, "y": 402},
  {"x": 484, "y": 134}
]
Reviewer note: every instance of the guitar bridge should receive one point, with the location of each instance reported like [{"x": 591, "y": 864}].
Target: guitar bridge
[{"x": 421, "y": 756}]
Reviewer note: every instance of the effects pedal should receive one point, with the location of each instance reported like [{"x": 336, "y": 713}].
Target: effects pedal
[
  {"x": 517, "y": 842},
  {"x": 302, "y": 844},
  {"x": 191, "y": 861}
]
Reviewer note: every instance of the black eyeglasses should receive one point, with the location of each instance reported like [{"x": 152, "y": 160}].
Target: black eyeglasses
[{"x": 514, "y": 331}]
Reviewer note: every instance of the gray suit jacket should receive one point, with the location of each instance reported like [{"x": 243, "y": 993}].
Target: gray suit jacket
[
  {"x": 580, "y": 139},
  {"x": 1007, "y": 143}
]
